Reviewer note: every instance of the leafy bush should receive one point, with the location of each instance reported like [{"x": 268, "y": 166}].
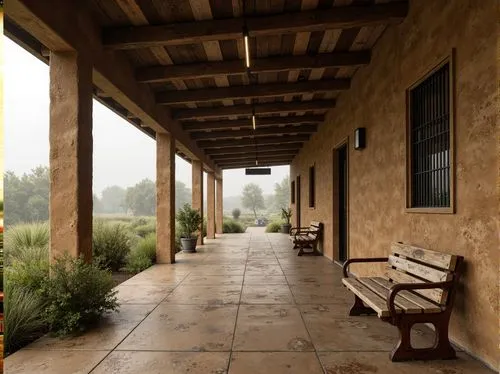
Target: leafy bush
[
  {"x": 24, "y": 317},
  {"x": 143, "y": 255},
  {"x": 77, "y": 295},
  {"x": 274, "y": 226},
  {"x": 110, "y": 245},
  {"x": 178, "y": 233},
  {"x": 28, "y": 269},
  {"x": 144, "y": 230},
  {"x": 189, "y": 221},
  {"x": 232, "y": 227},
  {"x": 19, "y": 237},
  {"x": 236, "y": 213}
]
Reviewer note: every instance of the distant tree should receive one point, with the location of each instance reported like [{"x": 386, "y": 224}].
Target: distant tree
[
  {"x": 182, "y": 195},
  {"x": 282, "y": 194},
  {"x": 113, "y": 199},
  {"x": 236, "y": 213},
  {"x": 27, "y": 197},
  {"x": 97, "y": 204},
  {"x": 141, "y": 198},
  {"x": 252, "y": 198}
]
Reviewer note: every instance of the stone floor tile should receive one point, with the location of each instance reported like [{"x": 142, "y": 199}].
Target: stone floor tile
[
  {"x": 264, "y": 279},
  {"x": 142, "y": 294},
  {"x": 270, "y": 328},
  {"x": 184, "y": 328},
  {"x": 215, "y": 294},
  {"x": 266, "y": 294},
  {"x": 379, "y": 362},
  {"x": 52, "y": 362},
  {"x": 313, "y": 279},
  {"x": 201, "y": 280},
  {"x": 275, "y": 363},
  {"x": 321, "y": 294},
  {"x": 133, "y": 362}
]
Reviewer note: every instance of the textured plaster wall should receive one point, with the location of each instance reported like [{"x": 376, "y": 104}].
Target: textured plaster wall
[{"x": 377, "y": 214}]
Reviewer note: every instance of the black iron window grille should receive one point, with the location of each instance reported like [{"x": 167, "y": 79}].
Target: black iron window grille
[{"x": 430, "y": 141}]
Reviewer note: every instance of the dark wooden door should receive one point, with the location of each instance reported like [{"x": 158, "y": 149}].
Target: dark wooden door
[
  {"x": 297, "y": 201},
  {"x": 342, "y": 202}
]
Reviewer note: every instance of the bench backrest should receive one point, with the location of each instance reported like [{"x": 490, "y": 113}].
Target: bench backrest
[
  {"x": 314, "y": 230},
  {"x": 409, "y": 264}
]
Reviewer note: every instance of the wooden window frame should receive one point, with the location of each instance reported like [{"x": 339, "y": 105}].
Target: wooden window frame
[
  {"x": 450, "y": 59},
  {"x": 312, "y": 186}
]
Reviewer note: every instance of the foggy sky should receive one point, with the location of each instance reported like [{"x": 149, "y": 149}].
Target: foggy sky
[{"x": 122, "y": 154}]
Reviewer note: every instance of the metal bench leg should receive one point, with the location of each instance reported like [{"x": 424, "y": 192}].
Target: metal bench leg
[{"x": 359, "y": 308}]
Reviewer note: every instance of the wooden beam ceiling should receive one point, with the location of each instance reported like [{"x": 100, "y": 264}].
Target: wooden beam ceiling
[
  {"x": 250, "y": 164},
  {"x": 258, "y": 132},
  {"x": 258, "y": 158},
  {"x": 247, "y": 123},
  {"x": 132, "y": 37},
  {"x": 205, "y": 144},
  {"x": 209, "y": 69},
  {"x": 260, "y": 109},
  {"x": 251, "y": 92},
  {"x": 249, "y": 155},
  {"x": 214, "y": 152}
]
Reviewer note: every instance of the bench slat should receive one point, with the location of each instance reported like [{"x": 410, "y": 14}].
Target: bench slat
[
  {"x": 405, "y": 304},
  {"x": 438, "y": 259},
  {"x": 436, "y": 294},
  {"x": 420, "y": 270},
  {"x": 369, "y": 297},
  {"x": 427, "y": 306}
]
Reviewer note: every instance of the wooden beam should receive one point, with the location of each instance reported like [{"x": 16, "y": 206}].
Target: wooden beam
[
  {"x": 61, "y": 31},
  {"x": 260, "y": 141},
  {"x": 260, "y": 109},
  {"x": 247, "y": 123},
  {"x": 244, "y": 156},
  {"x": 260, "y": 160},
  {"x": 214, "y": 152},
  {"x": 258, "y": 132},
  {"x": 251, "y": 164},
  {"x": 226, "y": 29},
  {"x": 249, "y": 92},
  {"x": 264, "y": 65}
]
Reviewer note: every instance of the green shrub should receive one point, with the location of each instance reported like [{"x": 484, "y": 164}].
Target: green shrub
[
  {"x": 24, "y": 317},
  {"x": 29, "y": 269},
  {"x": 110, "y": 245},
  {"x": 143, "y": 255},
  {"x": 19, "y": 237},
  {"x": 144, "y": 230},
  {"x": 77, "y": 295},
  {"x": 232, "y": 227},
  {"x": 178, "y": 233},
  {"x": 274, "y": 226},
  {"x": 236, "y": 213}
]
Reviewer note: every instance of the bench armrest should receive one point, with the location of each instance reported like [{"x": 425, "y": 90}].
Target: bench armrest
[
  {"x": 354, "y": 260},
  {"x": 393, "y": 291}
]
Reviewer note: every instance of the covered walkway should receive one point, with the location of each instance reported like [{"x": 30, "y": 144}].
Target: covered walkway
[{"x": 245, "y": 303}]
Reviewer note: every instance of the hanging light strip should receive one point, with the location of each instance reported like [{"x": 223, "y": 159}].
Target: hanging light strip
[
  {"x": 247, "y": 49},
  {"x": 253, "y": 121}
]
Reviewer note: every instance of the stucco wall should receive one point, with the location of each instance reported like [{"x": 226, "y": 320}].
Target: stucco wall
[{"x": 376, "y": 101}]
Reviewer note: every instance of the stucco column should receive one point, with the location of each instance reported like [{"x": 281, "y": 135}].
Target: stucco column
[
  {"x": 197, "y": 189},
  {"x": 219, "y": 208},
  {"x": 165, "y": 198},
  {"x": 70, "y": 136},
  {"x": 210, "y": 206}
]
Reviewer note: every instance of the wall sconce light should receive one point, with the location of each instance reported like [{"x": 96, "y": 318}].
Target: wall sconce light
[{"x": 359, "y": 138}]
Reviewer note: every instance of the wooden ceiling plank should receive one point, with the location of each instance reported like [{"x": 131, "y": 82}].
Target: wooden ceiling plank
[
  {"x": 251, "y": 148},
  {"x": 261, "y": 160},
  {"x": 242, "y": 92},
  {"x": 205, "y": 144},
  {"x": 193, "y": 126},
  {"x": 258, "y": 132},
  {"x": 242, "y": 156},
  {"x": 260, "y": 109},
  {"x": 225, "y": 29},
  {"x": 249, "y": 164}
]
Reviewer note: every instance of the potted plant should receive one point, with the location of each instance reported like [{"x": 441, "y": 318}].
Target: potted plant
[
  {"x": 286, "y": 214},
  {"x": 190, "y": 222}
]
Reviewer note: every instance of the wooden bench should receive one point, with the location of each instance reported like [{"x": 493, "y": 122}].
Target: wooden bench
[
  {"x": 306, "y": 237},
  {"x": 418, "y": 286}
]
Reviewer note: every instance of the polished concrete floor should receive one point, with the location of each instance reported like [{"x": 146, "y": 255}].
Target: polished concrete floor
[{"x": 244, "y": 304}]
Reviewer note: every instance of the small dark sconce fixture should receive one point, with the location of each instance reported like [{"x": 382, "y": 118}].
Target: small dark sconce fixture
[{"x": 359, "y": 138}]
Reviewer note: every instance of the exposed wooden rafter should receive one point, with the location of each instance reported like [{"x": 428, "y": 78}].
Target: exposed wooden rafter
[
  {"x": 250, "y": 92},
  {"x": 205, "y": 144},
  {"x": 264, "y": 65},
  {"x": 245, "y": 156},
  {"x": 226, "y": 29},
  {"x": 247, "y": 123},
  {"x": 259, "y": 132},
  {"x": 249, "y": 164},
  {"x": 260, "y": 109},
  {"x": 214, "y": 152}
]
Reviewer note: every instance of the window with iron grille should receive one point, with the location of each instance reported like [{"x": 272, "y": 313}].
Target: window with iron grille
[
  {"x": 430, "y": 141},
  {"x": 292, "y": 192},
  {"x": 312, "y": 187}
]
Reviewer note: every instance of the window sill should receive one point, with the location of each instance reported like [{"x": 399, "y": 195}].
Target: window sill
[{"x": 431, "y": 210}]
